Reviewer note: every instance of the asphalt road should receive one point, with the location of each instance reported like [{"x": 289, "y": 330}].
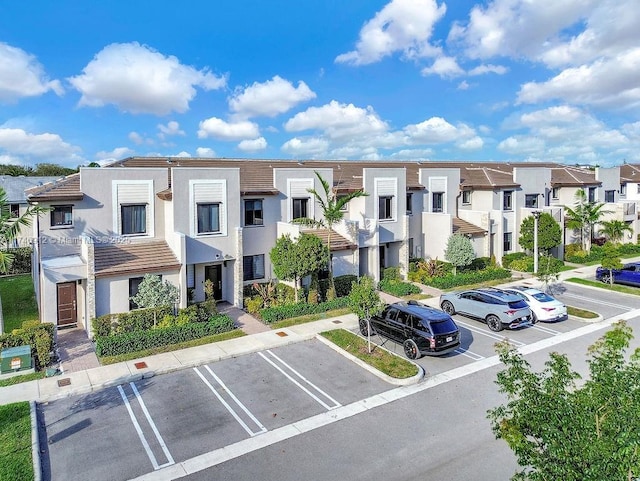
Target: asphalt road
[{"x": 305, "y": 412}]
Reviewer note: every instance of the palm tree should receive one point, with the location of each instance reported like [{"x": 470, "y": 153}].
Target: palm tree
[
  {"x": 614, "y": 230},
  {"x": 332, "y": 207},
  {"x": 584, "y": 216},
  {"x": 9, "y": 229}
]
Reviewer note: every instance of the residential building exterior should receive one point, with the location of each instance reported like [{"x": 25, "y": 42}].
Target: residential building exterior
[{"x": 191, "y": 220}]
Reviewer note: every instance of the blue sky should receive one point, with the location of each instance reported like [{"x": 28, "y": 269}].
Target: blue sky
[{"x": 503, "y": 80}]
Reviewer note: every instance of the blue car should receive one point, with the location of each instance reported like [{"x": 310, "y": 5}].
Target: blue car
[{"x": 629, "y": 275}]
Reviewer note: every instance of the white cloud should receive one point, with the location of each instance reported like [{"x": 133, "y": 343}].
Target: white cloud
[
  {"x": 412, "y": 154},
  {"x": 338, "y": 121},
  {"x": 21, "y": 75},
  {"x": 306, "y": 147},
  {"x": 401, "y": 26},
  {"x": 474, "y": 143},
  {"x": 183, "y": 154},
  {"x": 205, "y": 152},
  {"x": 138, "y": 79},
  {"x": 444, "y": 67},
  {"x": 485, "y": 69},
  {"x": 253, "y": 145},
  {"x": 116, "y": 154},
  {"x": 270, "y": 98},
  {"x": 609, "y": 82},
  {"x": 464, "y": 85},
  {"x": 47, "y": 147},
  {"x": 172, "y": 128},
  {"x": 521, "y": 145},
  {"x": 136, "y": 138},
  {"x": 437, "y": 130},
  {"x": 221, "y": 130}
]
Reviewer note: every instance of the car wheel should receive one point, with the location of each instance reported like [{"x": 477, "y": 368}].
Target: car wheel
[
  {"x": 534, "y": 318},
  {"x": 364, "y": 328},
  {"x": 605, "y": 278},
  {"x": 448, "y": 308},
  {"x": 411, "y": 349},
  {"x": 494, "y": 323}
]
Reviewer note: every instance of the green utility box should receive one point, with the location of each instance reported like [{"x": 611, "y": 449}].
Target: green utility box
[{"x": 15, "y": 359}]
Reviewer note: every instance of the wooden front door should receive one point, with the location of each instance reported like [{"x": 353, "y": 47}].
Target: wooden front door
[
  {"x": 214, "y": 274},
  {"x": 67, "y": 313}
]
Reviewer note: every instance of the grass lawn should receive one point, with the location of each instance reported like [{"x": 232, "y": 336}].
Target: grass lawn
[
  {"x": 292, "y": 321},
  {"x": 382, "y": 360},
  {"x": 10, "y": 381},
  {"x": 574, "y": 311},
  {"x": 616, "y": 287},
  {"x": 18, "y": 301},
  {"x": 16, "y": 463}
]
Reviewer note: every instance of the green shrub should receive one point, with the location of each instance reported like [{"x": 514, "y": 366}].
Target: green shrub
[
  {"x": 522, "y": 265},
  {"x": 21, "y": 263},
  {"x": 507, "y": 259},
  {"x": 285, "y": 294},
  {"x": 274, "y": 314},
  {"x": 343, "y": 284},
  {"x": 398, "y": 288},
  {"x": 127, "y": 342},
  {"x": 478, "y": 264},
  {"x": 38, "y": 336},
  {"x": 629, "y": 249},
  {"x": 391, "y": 274},
  {"x": 253, "y": 304},
  {"x": 466, "y": 278},
  {"x": 572, "y": 250}
]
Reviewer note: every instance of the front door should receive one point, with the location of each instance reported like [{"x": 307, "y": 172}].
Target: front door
[
  {"x": 214, "y": 274},
  {"x": 67, "y": 304}
]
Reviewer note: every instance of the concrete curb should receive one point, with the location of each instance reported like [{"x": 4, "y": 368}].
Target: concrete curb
[
  {"x": 35, "y": 443},
  {"x": 586, "y": 320},
  {"x": 391, "y": 380},
  {"x": 632, "y": 296}
]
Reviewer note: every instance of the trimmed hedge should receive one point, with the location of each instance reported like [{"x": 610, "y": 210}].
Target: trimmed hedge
[
  {"x": 466, "y": 278},
  {"x": 137, "y": 320},
  {"x": 274, "y": 314},
  {"x": 398, "y": 288},
  {"x": 21, "y": 263},
  {"x": 507, "y": 259},
  {"x": 578, "y": 256},
  {"x": 114, "y": 345},
  {"x": 35, "y": 334},
  {"x": 343, "y": 284}
]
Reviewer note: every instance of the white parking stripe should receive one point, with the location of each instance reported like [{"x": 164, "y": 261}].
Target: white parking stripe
[
  {"x": 143, "y": 439},
  {"x": 469, "y": 354},
  {"x": 165, "y": 450},
  {"x": 596, "y": 301},
  {"x": 497, "y": 337},
  {"x": 548, "y": 330},
  {"x": 228, "y": 406},
  {"x": 300, "y": 376}
]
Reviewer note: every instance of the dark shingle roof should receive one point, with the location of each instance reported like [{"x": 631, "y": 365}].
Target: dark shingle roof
[{"x": 135, "y": 258}]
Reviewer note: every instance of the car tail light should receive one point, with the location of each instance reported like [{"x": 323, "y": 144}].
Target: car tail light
[
  {"x": 510, "y": 312},
  {"x": 548, "y": 309}
]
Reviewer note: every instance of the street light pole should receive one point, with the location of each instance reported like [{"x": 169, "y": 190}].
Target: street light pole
[{"x": 536, "y": 216}]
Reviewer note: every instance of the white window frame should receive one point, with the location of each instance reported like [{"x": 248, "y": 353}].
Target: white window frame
[
  {"x": 193, "y": 210},
  {"x": 117, "y": 224}
]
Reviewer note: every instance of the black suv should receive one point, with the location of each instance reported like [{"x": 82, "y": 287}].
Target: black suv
[{"x": 420, "y": 329}]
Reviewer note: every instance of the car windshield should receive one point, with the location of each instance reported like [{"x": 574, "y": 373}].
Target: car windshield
[
  {"x": 443, "y": 327},
  {"x": 542, "y": 297},
  {"x": 517, "y": 304}
]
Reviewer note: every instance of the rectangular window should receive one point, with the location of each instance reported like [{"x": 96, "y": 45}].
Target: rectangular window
[
  {"x": 554, "y": 192},
  {"x": 14, "y": 210},
  {"x": 253, "y": 212},
  {"x": 134, "y": 283},
  {"x": 437, "y": 202},
  {"x": 253, "y": 267},
  {"x": 592, "y": 195},
  {"x": 61, "y": 216},
  {"x": 507, "y": 197},
  {"x": 623, "y": 190},
  {"x": 208, "y": 218},
  {"x": 531, "y": 201},
  {"x": 411, "y": 247},
  {"x": 409, "y": 204},
  {"x": 466, "y": 197},
  {"x": 300, "y": 208},
  {"x": 385, "y": 211},
  {"x": 134, "y": 219},
  {"x": 609, "y": 195},
  {"x": 506, "y": 247}
]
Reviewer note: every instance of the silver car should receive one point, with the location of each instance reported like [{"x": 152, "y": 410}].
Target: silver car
[{"x": 499, "y": 309}]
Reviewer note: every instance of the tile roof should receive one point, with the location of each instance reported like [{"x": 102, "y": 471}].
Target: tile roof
[
  {"x": 135, "y": 258},
  {"x": 463, "y": 227},
  {"x": 572, "y": 176},
  {"x": 67, "y": 188},
  {"x": 629, "y": 173},
  {"x": 338, "y": 242}
]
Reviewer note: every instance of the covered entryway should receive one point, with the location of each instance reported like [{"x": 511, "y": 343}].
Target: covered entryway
[
  {"x": 214, "y": 274},
  {"x": 67, "y": 309}
]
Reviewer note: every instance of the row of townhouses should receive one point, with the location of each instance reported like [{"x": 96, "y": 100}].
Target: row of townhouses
[{"x": 190, "y": 220}]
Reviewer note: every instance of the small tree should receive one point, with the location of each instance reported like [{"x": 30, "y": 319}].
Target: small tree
[
  {"x": 610, "y": 260},
  {"x": 549, "y": 233},
  {"x": 614, "y": 230},
  {"x": 583, "y": 216},
  {"x": 153, "y": 292},
  {"x": 561, "y": 429},
  {"x": 548, "y": 272},
  {"x": 365, "y": 302},
  {"x": 459, "y": 251}
]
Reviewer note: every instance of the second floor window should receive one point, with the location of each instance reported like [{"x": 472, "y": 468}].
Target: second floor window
[
  {"x": 623, "y": 189},
  {"x": 437, "y": 202},
  {"x": 507, "y": 200},
  {"x": 253, "y": 267},
  {"x": 592, "y": 195},
  {"x": 466, "y": 197},
  {"x": 133, "y": 219},
  {"x": 208, "y": 218},
  {"x": 609, "y": 195},
  {"x": 555, "y": 192},
  {"x": 385, "y": 204},
  {"x": 62, "y": 216},
  {"x": 300, "y": 208},
  {"x": 531, "y": 201},
  {"x": 253, "y": 212},
  {"x": 409, "y": 204}
]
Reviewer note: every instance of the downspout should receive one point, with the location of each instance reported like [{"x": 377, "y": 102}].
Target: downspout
[{"x": 458, "y": 200}]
